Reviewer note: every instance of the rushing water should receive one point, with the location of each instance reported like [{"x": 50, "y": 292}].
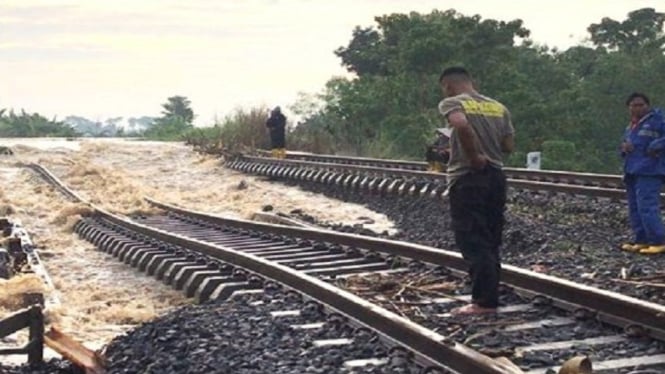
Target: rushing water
[{"x": 100, "y": 296}]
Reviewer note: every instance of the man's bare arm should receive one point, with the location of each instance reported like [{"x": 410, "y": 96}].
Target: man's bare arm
[
  {"x": 508, "y": 143},
  {"x": 467, "y": 137}
]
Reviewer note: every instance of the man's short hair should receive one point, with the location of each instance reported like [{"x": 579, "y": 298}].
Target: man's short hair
[
  {"x": 636, "y": 95},
  {"x": 455, "y": 71}
]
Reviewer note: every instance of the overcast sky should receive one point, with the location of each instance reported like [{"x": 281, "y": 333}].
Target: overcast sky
[{"x": 100, "y": 58}]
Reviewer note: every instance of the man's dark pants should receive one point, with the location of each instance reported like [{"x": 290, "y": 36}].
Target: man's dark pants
[
  {"x": 277, "y": 138},
  {"x": 477, "y": 205}
]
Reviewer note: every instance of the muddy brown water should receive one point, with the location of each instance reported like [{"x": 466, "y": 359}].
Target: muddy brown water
[{"x": 101, "y": 298}]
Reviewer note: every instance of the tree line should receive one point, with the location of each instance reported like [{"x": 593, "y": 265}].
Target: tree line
[
  {"x": 24, "y": 125},
  {"x": 568, "y": 104},
  {"x": 176, "y": 120}
]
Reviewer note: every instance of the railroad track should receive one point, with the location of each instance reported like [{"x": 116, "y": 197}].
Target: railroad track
[
  {"x": 209, "y": 271},
  {"x": 22, "y": 257},
  {"x": 542, "y": 321},
  {"x": 385, "y": 180},
  {"x": 573, "y": 178}
]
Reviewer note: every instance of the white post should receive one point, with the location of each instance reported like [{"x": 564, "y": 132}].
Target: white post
[{"x": 533, "y": 160}]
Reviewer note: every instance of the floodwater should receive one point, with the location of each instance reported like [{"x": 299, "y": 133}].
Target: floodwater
[
  {"x": 100, "y": 297},
  {"x": 118, "y": 174}
]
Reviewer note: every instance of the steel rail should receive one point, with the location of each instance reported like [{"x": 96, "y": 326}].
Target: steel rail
[
  {"x": 400, "y": 330},
  {"x": 607, "y": 180},
  {"x": 53, "y": 180},
  {"x": 607, "y": 306},
  {"x": 245, "y": 164},
  {"x": 611, "y": 307}
]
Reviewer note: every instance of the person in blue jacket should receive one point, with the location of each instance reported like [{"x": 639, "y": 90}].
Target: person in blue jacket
[{"x": 643, "y": 152}]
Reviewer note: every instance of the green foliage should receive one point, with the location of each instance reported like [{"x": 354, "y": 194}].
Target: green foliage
[
  {"x": 643, "y": 29},
  {"x": 516, "y": 159},
  {"x": 390, "y": 109},
  {"x": 246, "y": 129},
  {"x": 558, "y": 155},
  {"x": 572, "y": 97},
  {"x": 178, "y": 106},
  {"x": 26, "y": 125},
  {"x": 175, "y": 122},
  {"x": 168, "y": 128},
  {"x": 205, "y": 139},
  {"x": 313, "y": 134}
]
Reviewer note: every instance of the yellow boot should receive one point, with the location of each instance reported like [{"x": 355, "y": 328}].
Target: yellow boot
[
  {"x": 653, "y": 250},
  {"x": 282, "y": 153},
  {"x": 630, "y": 247},
  {"x": 274, "y": 152},
  {"x": 430, "y": 166},
  {"x": 438, "y": 166}
]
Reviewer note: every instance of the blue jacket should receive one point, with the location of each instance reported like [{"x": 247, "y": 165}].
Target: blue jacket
[{"x": 647, "y": 136}]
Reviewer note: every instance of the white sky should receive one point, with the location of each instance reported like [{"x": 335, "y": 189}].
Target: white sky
[{"x": 100, "y": 58}]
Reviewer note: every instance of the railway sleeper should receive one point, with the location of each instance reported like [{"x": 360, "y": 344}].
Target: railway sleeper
[
  {"x": 216, "y": 279},
  {"x": 18, "y": 255},
  {"x": 340, "y": 341},
  {"x": 539, "y": 330},
  {"x": 198, "y": 277},
  {"x": 429, "y": 185}
]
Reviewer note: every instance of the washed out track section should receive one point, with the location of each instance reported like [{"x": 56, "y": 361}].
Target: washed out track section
[
  {"x": 214, "y": 273},
  {"x": 586, "y": 179},
  {"x": 214, "y": 259},
  {"x": 51, "y": 179},
  {"x": 542, "y": 322}
]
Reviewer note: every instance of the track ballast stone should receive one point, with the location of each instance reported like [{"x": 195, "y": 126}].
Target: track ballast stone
[
  {"x": 241, "y": 336},
  {"x": 52, "y": 366},
  {"x": 573, "y": 237}
]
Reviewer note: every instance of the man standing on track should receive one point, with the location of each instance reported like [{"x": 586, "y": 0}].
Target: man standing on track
[
  {"x": 276, "y": 123},
  {"x": 643, "y": 151},
  {"x": 482, "y": 132}
]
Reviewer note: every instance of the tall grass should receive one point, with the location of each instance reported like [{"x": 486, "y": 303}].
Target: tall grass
[{"x": 244, "y": 131}]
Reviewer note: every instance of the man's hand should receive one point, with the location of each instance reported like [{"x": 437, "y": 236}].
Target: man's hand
[
  {"x": 479, "y": 162},
  {"x": 626, "y": 147}
]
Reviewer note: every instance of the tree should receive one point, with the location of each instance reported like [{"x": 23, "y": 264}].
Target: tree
[
  {"x": 168, "y": 128},
  {"x": 642, "y": 29},
  {"x": 178, "y": 106},
  {"x": 556, "y": 97},
  {"x": 422, "y": 43},
  {"x": 176, "y": 120},
  {"x": 390, "y": 109},
  {"x": 362, "y": 55}
]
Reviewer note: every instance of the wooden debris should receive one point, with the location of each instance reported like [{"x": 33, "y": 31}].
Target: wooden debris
[
  {"x": 88, "y": 360},
  {"x": 641, "y": 283},
  {"x": 402, "y": 293},
  {"x": 577, "y": 365}
]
